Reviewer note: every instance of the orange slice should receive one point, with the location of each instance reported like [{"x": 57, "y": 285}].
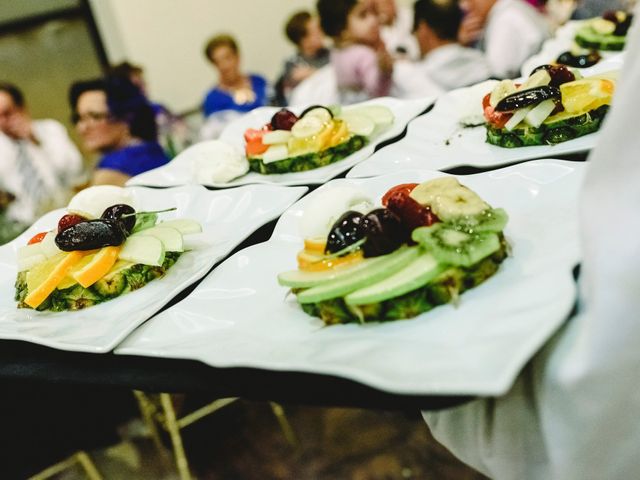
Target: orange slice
[
  {"x": 315, "y": 245},
  {"x": 98, "y": 267},
  {"x": 316, "y": 263},
  {"x": 586, "y": 94},
  {"x": 40, "y": 293}
]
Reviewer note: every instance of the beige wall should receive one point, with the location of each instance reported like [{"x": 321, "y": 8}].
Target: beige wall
[{"x": 167, "y": 37}]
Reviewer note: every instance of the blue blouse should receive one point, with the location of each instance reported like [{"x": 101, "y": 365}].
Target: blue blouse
[
  {"x": 218, "y": 100},
  {"x": 135, "y": 159}
]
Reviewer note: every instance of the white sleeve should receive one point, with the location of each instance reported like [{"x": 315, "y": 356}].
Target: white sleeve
[
  {"x": 575, "y": 416},
  {"x": 512, "y": 36},
  {"x": 61, "y": 152}
]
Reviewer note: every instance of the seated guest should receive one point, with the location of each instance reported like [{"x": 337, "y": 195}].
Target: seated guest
[
  {"x": 395, "y": 29},
  {"x": 39, "y": 164},
  {"x": 114, "y": 118},
  {"x": 363, "y": 67},
  {"x": 235, "y": 90},
  {"x": 444, "y": 60},
  {"x": 305, "y": 33},
  {"x": 507, "y": 31}
]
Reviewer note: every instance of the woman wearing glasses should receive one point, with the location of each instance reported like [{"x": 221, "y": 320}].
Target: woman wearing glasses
[{"x": 114, "y": 118}]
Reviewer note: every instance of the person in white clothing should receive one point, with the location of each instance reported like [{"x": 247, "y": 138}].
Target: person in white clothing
[
  {"x": 444, "y": 64},
  {"x": 39, "y": 164},
  {"x": 507, "y": 31},
  {"x": 573, "y": 413},
  {"x": 395, "y": 29}
]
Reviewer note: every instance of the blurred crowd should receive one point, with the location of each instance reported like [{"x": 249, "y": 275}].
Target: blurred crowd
[{"x": 345, "y": 52}]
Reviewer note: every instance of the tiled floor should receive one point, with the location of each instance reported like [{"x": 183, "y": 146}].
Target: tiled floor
[{"x": 244, "y": 441}]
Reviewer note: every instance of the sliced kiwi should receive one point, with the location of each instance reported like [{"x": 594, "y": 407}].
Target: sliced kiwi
[
  {"x": 491, "y": 220},
  {"x": 455, "y": 247}
]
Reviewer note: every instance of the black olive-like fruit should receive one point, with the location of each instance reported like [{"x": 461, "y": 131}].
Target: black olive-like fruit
[
  {"x": 115, "y": 213},
  {"x": 524, "y": 98},
  {"x": 385, "y": 232},
  {"x": 346, "y": 231},
  {"x": 559, "y": 74},
  {"x": 90, "y": 235},
  {"x": 283, "y": 119},
  {"x": 579, "y": 61}
]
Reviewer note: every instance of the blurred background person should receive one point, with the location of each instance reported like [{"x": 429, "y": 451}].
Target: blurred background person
[
  {"x": 114, "y": 118},
  {"x": 507, "y": 31},
  {"x": 396, "y": 24},
  {"x": 39, "y": 164},
  {"x": 362, "y": 65},
  {"x": 444, "y": 60},
  {"x": 303, "y": 30},
  {"x": 173, "y": 132}
]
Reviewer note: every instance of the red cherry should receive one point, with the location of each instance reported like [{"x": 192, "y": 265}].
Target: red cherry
[
  {"x": 407, "y": 188},
  {"x": 412, "y": 214},
  {"x": 69, "y": 220}
]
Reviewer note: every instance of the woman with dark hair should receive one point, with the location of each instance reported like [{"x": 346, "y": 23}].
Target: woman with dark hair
[{"x": 114, "y": 118}]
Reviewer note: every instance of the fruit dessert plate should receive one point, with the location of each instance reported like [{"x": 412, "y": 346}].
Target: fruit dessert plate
[
  {"x": 284, "y": 147},
  {"x": 241, "y": 316},
  {"x": 608, "y": 32},
  {"x": 454, "y": 132},
  {"x": 84, "y": 277}
]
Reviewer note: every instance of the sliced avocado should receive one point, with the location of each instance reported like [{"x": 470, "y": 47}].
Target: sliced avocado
[
  {"x": 302, "y": 279},
  {"x": 415, "y": 275},
  {"x": 374, "y": 273}
]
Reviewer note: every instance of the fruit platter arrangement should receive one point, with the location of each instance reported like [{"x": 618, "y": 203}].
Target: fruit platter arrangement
[
  {"x": 608, "y": 32},
  {"x": 101, "y": 249},
  {"x": 553, "y": 105},
  {"x": 426, "y": 245},
  {"x": 319, "y": 136}
]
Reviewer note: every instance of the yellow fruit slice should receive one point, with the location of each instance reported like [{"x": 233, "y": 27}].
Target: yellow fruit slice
[
  {"x": 586, "y": 94},
  {"x": 45, "y": 284},
  {"x": 98, "y": 267},
  {"x": 315, "y": 245},
  {"x": 340, "y": 133},
  {"x": 315, "y": 263}
]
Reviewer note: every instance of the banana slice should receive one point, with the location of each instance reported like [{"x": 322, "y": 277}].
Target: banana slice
[
  {"x": 448, "y": 199},
  {"x": 501, "y": 90}
]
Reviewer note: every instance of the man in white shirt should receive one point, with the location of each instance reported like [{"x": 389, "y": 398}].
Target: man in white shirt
[
  {"x": 444, "y": 64},
  {"x": 39, "y": 163},
  {"x": 573, "y": 413},
  {"x": 507, "y": 31}
]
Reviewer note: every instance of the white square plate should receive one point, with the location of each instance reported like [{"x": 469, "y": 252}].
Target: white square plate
[
  {"x": 437, "y": 141},
  {"x": 227, "y": 218},
  {"x": 240, "y": 317},
  {"x": 180, "y": 171}
]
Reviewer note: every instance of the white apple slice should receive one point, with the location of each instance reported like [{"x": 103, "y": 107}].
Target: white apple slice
[
  {"x": 358, "y": 123},
  {"x": 540, "y": 112},
  {"x": 48, "y": 245},
  {"x": 185, "y": 226},
  {"x": 275, "y": 153},
  {"x": 307, "y": 126},
  {"x": 143, "y": 249},
  {"x": 29, "y": 256},
  {"x": 171, "y": 238},
  {"x": 276, "y": 136},
  {"x": 518, "y": 116}
]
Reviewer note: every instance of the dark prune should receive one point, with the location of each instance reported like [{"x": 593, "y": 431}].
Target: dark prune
[
  {"x": 346, "y": 231},
  {"x": 283, "y": 119},
  {"x": 90, "y": 235},
  {"x": 115, "y": 214},
  {"x": 559, "y": 74},
  {"x": 524, "y": 98},
  {"x": 385, "y": 232},
  {"x": 579, "y": 61}
]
